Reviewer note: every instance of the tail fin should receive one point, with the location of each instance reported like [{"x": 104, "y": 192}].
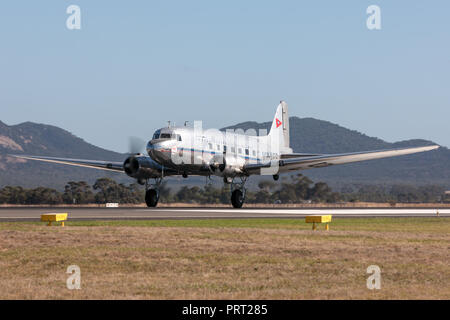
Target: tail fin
[{"x": 280, "y": 128}]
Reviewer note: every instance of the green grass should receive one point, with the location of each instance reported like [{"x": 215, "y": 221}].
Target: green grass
[
  {"x": 437, "y": 224},
  {"x": 432, "y": 224}
]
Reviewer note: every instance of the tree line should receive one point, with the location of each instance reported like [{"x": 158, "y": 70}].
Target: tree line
[
  {"x": 399, "y": 193},
  {"x": 104, "y": 190},
  {"x": 293, "y": 189}
]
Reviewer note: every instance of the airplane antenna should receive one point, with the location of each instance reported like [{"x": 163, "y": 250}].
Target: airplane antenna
[
  {"x": 185, "y": 123},
  {"x": 168, "y": 124}
]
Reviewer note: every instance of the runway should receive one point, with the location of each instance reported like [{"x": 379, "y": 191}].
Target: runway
[{"x": 33, "y": 214}]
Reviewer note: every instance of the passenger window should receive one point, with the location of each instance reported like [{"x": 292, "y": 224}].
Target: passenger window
[
  {"x": 179, "y": 137},
  {"x": 240, "y": 151},
  {"x": 246, "y": 152},
  {"x": 218, "y": 147},
  {"x": 210, "y": 146},
  {"x": 233, "y": 150},
  {"x": 254, "y": 153}
]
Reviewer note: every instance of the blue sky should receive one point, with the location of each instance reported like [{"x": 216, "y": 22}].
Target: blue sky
[{"x": 136, "y": 64}]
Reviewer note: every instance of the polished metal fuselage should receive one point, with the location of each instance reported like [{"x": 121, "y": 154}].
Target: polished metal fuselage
[{"x": 194, "y": 151}]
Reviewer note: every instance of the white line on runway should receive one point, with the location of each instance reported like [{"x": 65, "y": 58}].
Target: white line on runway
[
  {"x": 178, "y": 217},
  {"x": 319, "y": 211}
]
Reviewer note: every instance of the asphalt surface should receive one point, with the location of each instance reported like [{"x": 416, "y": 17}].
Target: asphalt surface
[{"x": 33, "y": 214}]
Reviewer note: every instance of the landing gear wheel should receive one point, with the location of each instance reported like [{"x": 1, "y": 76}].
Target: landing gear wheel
[
  {"x": 151, "y": 198},
  {"x": 237, "y": 199}
]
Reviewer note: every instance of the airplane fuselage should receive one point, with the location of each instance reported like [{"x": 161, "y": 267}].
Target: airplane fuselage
[{"x": 193, "y": 151}]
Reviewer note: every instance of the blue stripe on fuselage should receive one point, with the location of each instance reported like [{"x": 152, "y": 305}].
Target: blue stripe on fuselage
[{"x": 205, "y": 151}]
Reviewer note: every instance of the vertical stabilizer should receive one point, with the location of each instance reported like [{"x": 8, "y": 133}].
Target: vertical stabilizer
[{"x": 280, "y": 128}]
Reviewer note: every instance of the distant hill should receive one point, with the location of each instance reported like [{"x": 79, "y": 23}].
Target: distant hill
[
  {"x": 40, "y": 139},
  {"x": 316, "y": 136},
  {"x": 307, "y": 135}
]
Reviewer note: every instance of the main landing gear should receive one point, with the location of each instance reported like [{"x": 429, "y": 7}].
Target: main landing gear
[
  {"x": 238, "y": 192},
  {"x": 152, "y": 192}
]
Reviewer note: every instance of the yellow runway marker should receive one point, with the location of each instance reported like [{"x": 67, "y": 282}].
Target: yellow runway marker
[
  {"x": 318, "y": 219},
  {"x": 56, "y": 217}
]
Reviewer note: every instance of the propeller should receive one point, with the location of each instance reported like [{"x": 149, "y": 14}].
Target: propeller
[{"x": 136, "y": 145}]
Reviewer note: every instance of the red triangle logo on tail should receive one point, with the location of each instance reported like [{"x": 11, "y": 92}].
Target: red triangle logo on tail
[{"x": 278, "y": 122}]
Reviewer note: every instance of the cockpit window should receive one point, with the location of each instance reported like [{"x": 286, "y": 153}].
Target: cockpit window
[
  {"x": 166, "y": 135},
  {"x": 156, "y": 134}
]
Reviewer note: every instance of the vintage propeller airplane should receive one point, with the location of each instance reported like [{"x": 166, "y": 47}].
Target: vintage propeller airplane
[{"x": 234, "y": 156}]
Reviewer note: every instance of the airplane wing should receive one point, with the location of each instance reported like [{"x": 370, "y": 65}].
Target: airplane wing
[
  {"x": 298, "y": 155},
  {"x": 96, "y": 164},
  {"x": 319, "y": 161}
]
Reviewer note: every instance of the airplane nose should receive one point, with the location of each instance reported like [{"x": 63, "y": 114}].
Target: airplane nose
[{"x": 157, "y": 151}]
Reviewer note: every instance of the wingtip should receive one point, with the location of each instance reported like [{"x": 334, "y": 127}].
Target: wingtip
[{"x": 428, "y": 148}]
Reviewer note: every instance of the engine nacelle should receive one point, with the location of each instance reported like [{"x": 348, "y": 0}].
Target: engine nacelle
[
  {"x": 141, "y": 167},
  {"x": 227, "y": 165}
]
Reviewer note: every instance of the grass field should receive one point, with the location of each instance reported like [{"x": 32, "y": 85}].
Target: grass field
[{"x": 227, "y": 259}]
